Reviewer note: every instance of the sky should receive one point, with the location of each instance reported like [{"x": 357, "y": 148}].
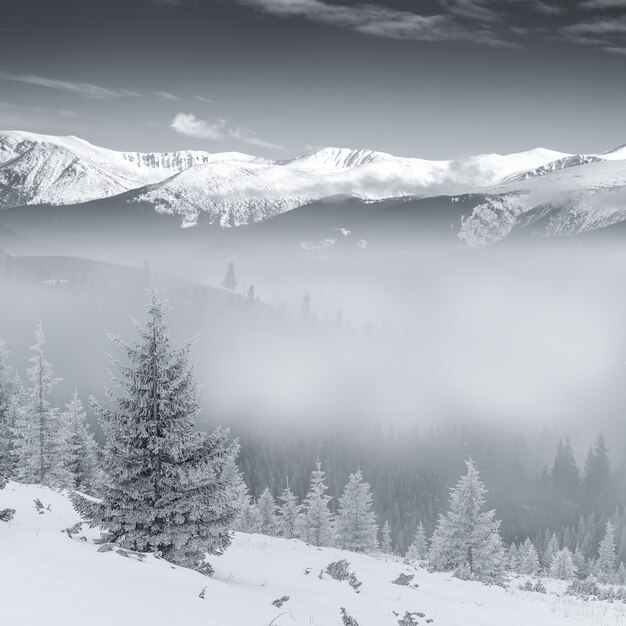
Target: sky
[{"x": 426, "y": 78}]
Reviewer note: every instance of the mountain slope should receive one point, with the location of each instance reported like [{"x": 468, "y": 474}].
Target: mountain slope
[
  {"x": 232, "y": 188},
  {"x": 46, "y": 577}
]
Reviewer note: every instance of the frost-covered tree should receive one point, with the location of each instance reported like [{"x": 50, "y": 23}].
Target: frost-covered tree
[
  {"x": 248, "y": 518},
  {"x": 316, "y": 520},
  {"x": 563, "y": 566},
  {"x": 528, "y": 559},
  {"x": 418, "y": 550},
  {"x": 8, "y": 400},
  {"x": 621, "y": 574},
  {"x": 605, "y": 565},
  {"x": 230, "y": 278},
  {"x": 164, "y": 488},
  {"x": 580, "y": 563},
  {"x": 356, "y": 522},
  {"x": 268, "y": 523},
  {"x": 41, "y": 442},
  {"x": 238, "y": 495},
  {"x": 289, "y": 513},
  {"x": 82, "y": 452},
  {"x": 467, "y": 539},
  {"x": 549, "y": 553},
  {"x": 385, "y": 538}
]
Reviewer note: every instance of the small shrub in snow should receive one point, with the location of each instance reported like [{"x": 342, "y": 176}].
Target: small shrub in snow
[
  {"x": 340, "y": 570},
  {"x": 280, "y": 601},
  {"x": 347, "y": 619},
  {"x": 408, "y": 619},
  {"x": 403, "y": 580},
  {"x": 6, "y": 515}
]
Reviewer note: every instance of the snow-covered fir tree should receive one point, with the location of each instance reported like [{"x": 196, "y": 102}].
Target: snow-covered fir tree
[
  {"x": 239, "y": 495},
  {"x": 268, "y": 522},
  {"x": 315, "y": 525},
  {"x": 563, "y": 566},
  {"x": 385, "y": 538},
  {"x": 41, "y": 442},
  {"x": 467, "y": 539},
  {"x": 621, "y": 574},
  {"x": 549, "y": 553},
  {"x": 580, "y": 563},
  {"x": 82, "y": 452},
  {"x": 248, "y": 516},
  {"x": 8, "y": 398},
  {"x": 164, "y": 488},
  {"x": 529, "y": 564},
  {"x": 356, "y": 522},
  {"x": 289, "y": 513},
  {"x": 230, "y": 278},
  {"x": 418, "y": 550},
  {"x": 605, "y": 565}
]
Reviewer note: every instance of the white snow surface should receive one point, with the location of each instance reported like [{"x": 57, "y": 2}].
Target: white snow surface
[{"x": 49, "y": 578}]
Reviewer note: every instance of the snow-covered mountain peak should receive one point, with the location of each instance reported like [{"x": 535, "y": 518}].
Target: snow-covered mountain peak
[{"x": 338, "y": 158}]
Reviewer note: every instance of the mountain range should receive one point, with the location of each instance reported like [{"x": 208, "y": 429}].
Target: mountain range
[{"x": 541, "y": 191}]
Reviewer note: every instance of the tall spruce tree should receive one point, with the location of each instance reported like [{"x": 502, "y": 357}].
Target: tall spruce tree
[
  {"x": 563, "y": 566},
  {"x": 467, "y": 539},
  {"x": 82, "y": 453},
  {"x": 289, "y": 513},
  {"x": 230, "y": 278},
  {"x": 316, "y": 520},
  {"x": 565, "y": 474},
  {"x": 164, "y": 488},
  {"x": 418, "y": 550},
  {"x": 385, "y": 538},
  {"x": 529, "y": 559},
  {"x": 8, "y": 398},
  {"x": 552, "y": 547},
  {"x": 268, "y": 523},
  {"x": 41, "y": 442},
  {"x": 356, "y": 522},
  {"x": 597, "y": 479},
  {"x": 605, "y": 565}
]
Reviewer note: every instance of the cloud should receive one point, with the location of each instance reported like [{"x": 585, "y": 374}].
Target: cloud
[
  {"x": 9, "y": 106},
  {"x": 166, "y": 95},
  {"x": 603, "y": 4},
  {"x": 380, "y": 21},
  {"x": 217, "y": 130},
  {"x": 87, "y": 90},
  {"x": 204, "y": 99}
]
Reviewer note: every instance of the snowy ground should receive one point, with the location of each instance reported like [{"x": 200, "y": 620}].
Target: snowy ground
[{"x": 48, "y": 578}]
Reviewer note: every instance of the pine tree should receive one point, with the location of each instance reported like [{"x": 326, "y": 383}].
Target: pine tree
[
  {"x": 549, "y": 553},
  {"x": 385, "y": 538},
  {"x": 356, "y": 522},
  {"x": 597, "y": 480},
  {"x": 605, "y": 565},
  {"x": 306, "y": 311},
  {"x": 230, "y": 278},
  {"x": 249, "y": 517},
  {"x": 238, "y": 491},
  {"x": 267, "y": 513},
  {"x": 8, "y": 399},
  {"x": 164, "y": 488},
  {"x": 580, "y": 563},
  {"x": 565, "y": 474},
  {"x": 563, "y": 566},
  {"x": 418, "y": 550},
  {"x": 621, "y": 574},
  {"x": 529, "y": 559},
  {"x": 316, "y": 521},
  {"x": 41, "y": 442},
  {"x": 289, "y": 513},
  {"x": 82, "y": 453},
  {"x": 467, "y": 540}
]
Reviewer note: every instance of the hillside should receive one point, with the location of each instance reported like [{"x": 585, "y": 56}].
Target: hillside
[{"x": 46, "y": 577}]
